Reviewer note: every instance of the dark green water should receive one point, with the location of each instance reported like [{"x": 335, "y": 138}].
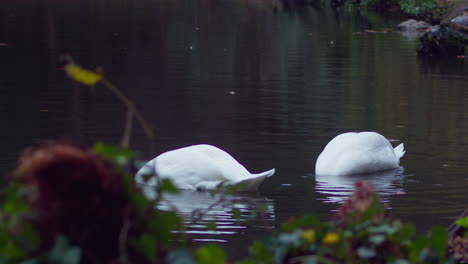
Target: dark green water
[{"x": 270, "y": 88}]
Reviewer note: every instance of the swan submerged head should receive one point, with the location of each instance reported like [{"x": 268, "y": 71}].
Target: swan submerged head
[
  {"x": 200, "y": 167},
  {"x": 358, "y": 152}
]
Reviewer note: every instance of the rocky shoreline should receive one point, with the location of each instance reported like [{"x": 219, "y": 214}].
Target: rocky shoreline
[{"x": 449, "y": 38}]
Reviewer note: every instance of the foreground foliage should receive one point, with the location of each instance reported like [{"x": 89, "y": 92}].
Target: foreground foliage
[{"x": 360, "y": 232}]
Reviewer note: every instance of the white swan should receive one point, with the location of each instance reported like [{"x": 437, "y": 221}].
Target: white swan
[
  {"x": 200, "y": 167},
  {"x": 354, "y": 153}
]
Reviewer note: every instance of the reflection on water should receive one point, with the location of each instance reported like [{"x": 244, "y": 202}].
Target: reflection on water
[
  {"x": 337, "y": 188},
  {"x": 200, "y": 209}
]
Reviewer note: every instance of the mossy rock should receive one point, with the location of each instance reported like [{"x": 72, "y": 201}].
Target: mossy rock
[
  {"x": 451, "y": 39},
  {"x": 444, "y": 42}
]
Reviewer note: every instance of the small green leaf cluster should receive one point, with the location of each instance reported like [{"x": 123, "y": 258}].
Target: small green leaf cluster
[
  {"x": 17, "y": 238},
  {"x": 426, "y": 9},
  {"x": 370, "y": 239}
]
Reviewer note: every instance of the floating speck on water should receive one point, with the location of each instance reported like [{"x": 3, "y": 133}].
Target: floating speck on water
[
  {"x": 190, "y": 47},
  {"x": 286, "y": 184},
  {"x": 232, "y": 92}
]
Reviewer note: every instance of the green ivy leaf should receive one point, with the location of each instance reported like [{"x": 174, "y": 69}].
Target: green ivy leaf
[
  {"x": 211, "y": 225},
  {"x": 462, "y": 222},
  {"x": 147, "y": 245},
  {"x": 63, "y": 253},
  {"x": 416, "y": 247},
  {"x": 405, "y": 232},
  {"x": 438, "y": 240},
  {"x": 377, "y": 239},
  {"x": 180, "y": 256},
  {"x": 400, "y": 261},
  {"x": 118, "y": 155},
  {"x": 166, "y": 221},
  {"x": 384, "y": 228},
  {"x": 166, "y": 185},
  {"x": 366, "y": 253},
  {"x": 236, "y": 213},
  {"x": 210, "y": 254}
]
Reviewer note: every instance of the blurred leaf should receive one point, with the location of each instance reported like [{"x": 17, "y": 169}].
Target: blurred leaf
[
  {"x": 429, "y": 257},
  {"x": 31, "y": 237},
  {"x": 81, "y": 75},
  {"x": 261, "y": 253},
  {"x": 230, "y": 189},
  {"x": 383, "y": 228},
  {"x": 305, "y": 221},
  {"x": 164, "y": 224},
  {"x": 15, "y": 203},
  {"x": 28, "y": 261},
  {"x": 331, "y": 238},
  {"x": 366, "y": 253},
  {"x": 438, "y": 240},
  {"x": 146, "y": 177},
  {"x": 377, "y": 239},
  {"x": 400, "y": 261},
  {"x": 9, "y": 250},
  {"x": 406, "y": 232},
  {"x": 416, "y": 247},
  {"x": 211, "y": 225},
  {"x": 112, "y": 152},
  {"x": 180, "y": 256},
  {"x": 462, "y": 222},
  {"x": 211, "y": 254},
  {"x": 293, "y": 238},
  {"x": 166, "y": 185},
  {"x": 141, "y": 202},
  {"x": 308, "y": 235},
  {"x": 236, "y": 213},
  {"x": 63, "y": 253},
  {"x": 147, "y": 245}
]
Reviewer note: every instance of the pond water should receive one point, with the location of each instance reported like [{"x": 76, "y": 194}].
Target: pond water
[{"x": 271, "y": 88}]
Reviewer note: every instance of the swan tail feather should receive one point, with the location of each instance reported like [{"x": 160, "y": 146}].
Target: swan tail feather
[
  {"x": 399, "y": 151},
  {"x": 251, "y": 184}
]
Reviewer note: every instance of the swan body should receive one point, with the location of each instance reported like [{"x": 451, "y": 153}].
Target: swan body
[
  {"x": 355, "y": 153},
  {"x": 200, "y": 167}
]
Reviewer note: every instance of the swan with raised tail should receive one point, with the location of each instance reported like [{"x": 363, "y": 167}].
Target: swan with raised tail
[
  {"x": 356, "y": 153},
  {"x": 201, "y": 167}
]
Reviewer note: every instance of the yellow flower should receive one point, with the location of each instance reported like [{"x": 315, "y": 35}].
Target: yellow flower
[
  {"x": 80, "y": 74},
  {"x": 331, "y": 238},
  {"x": 308, "y": 235}
]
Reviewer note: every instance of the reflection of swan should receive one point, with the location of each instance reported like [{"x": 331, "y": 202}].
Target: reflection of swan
[
  {"x": 338, "y": 188},
  {"x": 354, "y": 153},
  {"x": 201, "y": 167},
  {"x": 200, "y": 208}
]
